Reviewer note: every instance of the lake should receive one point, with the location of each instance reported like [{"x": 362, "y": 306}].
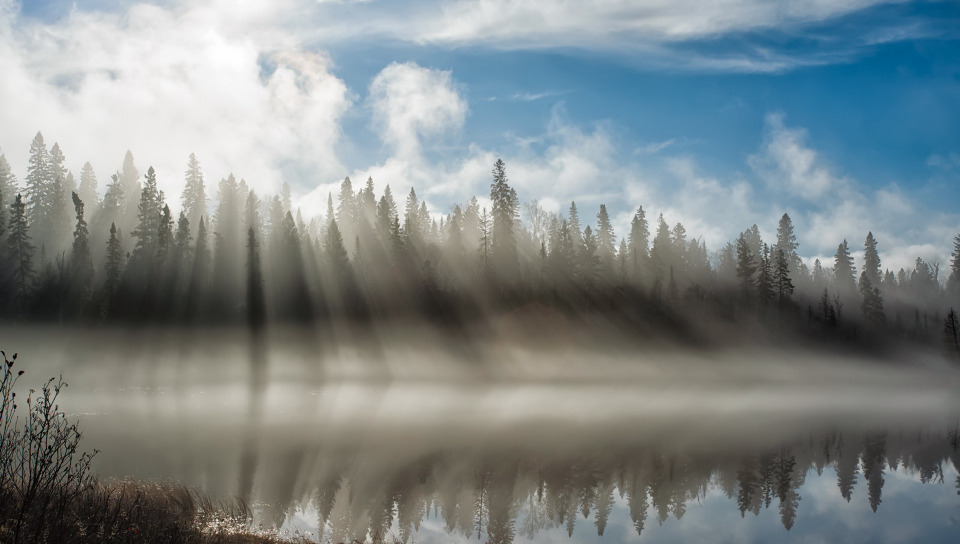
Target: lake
[{"x": 406, "y": 434}]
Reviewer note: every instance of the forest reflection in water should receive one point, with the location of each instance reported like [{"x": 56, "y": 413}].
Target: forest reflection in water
[{"x": 525, "y": 448}]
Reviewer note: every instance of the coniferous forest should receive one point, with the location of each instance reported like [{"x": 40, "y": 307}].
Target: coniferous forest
[{"x": 76, "y": 252}]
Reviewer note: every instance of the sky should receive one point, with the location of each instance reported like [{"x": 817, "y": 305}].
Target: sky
[{"x": 844, "y": 114}]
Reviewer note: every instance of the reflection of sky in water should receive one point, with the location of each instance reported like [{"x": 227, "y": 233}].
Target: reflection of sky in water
[{"x": 911, "y": 511}]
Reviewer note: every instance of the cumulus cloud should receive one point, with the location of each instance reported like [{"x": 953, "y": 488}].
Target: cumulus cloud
[
  {"x": 786, "y": 162},
  {"x": 167, "y": 82},
  {"x": 411, "y": 103}
]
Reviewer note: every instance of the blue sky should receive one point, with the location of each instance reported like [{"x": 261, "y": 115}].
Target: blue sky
[{"x": 846, "y": 113}]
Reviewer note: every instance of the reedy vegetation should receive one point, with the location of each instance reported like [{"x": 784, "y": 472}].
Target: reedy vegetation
[{"x": 48, "y": 492}]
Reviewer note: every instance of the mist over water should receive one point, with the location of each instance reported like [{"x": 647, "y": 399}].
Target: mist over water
[{"x": 394, "y": 433}]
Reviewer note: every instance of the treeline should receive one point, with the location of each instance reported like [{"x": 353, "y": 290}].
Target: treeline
[{"x": 70, "y": 254}]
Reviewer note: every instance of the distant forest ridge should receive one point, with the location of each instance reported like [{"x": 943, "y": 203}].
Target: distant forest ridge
[{"x": 70, "y": 254}]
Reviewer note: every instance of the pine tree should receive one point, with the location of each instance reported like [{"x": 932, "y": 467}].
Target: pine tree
[
  {"x": 660, "y": 254},
  {"x": 8, "y": 183},
  {"x": 871, "y": 260},
  {"x": 871, "y": 303},
  {"x": 411, "y": 218},
  {"x": 576, "y": 229},
  {"x": 181, "y": 244},
  {"x": 843, "y": 270},
  {"x": 638, "y": 241},
  {"x": 61, "y": 185},
  {"x": 38, "y": 186},
  {"x": 20, "y": 252},
  {"x": 504, "y": 214},
  {"x": 782, "y": 277},
  {"x": 148, "y": 225},
  {"x": 589, "y": 260},
  {"x": 164, "y": 235},
  {"x": 336, "y": 251},
  {"x": 81, "y": 261},
  {"x": 88, "y": 191},
  {"x": 787, "y": 242},
  {"x": 114, "y": 263},
  {"x": 194, "y": 196},
  {"x": 347, "y": 205},
  {"x": 605, "y": 239},
  {"x": 746, "y": 266},
  {"x": 953, "y": 281},
  {"x": 765, "y": 279}
]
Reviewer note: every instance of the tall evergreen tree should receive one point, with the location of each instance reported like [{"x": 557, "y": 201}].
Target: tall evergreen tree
[
  {"x": 782, "y": 277},
  {"x": 787, "y": 242},
  {"x": 194, "y": 196},
  {"x": 8, "y": 183},
  {"x": 638, "y": 241},
  {"x": 81, "y": 261},
  {"x": 953, "y": 281},
  {"x": 589, "y": 260},
  {"x": 411, "y": 218},
  {"x": 871, "y": 260},
  {"x": 88, "y": 190},
  {"x": 765, "y": 279},
  {"x": 506, "y": 210},
  {"x": 746, "y": 266},
  {"x": 114, "y": 263},
  {"x": 38, "y": 186},
  {"x": 164, "y": 235},
  {"x": 606, "y": 239},
  {"x": 660, "y": 254},
  {"x": 20, "y": 252},
  {"x": 843, "y": 270},
  {"x": 148, "y": 225},
  {"x": 871, "y": 302}
]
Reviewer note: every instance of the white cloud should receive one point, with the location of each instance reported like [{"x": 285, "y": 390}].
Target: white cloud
[
  {"x": 602, "y": 22},
  {"x": 786, "y": 162},
  {"x": 165, "y": 83},
  {"x": 411, "y": 103}
]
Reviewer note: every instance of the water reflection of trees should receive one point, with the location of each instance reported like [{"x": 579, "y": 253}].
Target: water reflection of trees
[{"x": 498, "y": 497}]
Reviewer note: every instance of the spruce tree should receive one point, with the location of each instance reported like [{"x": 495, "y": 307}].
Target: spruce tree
[
  {"x": 148, "y": 224},
  {"x": 787, "y": 242},
  {"x": 88, "y": 191},
  {"x": 765, "y": 279},
  {"x": 164, "y": 235},
  {"x": 871, "y": 260},
  {"x": 114, "y": 263},
  {"x": 746, "y": 266},
  {"x": 8, "y": 183},
  {"x": 576, "y": 229},
  {"x": 588, "y": 261},
  {"x": 20, "y": 252},
  {"x": 505, "y": 212},
  {"x": 194, "y": 196},
  {"x": 411, "y": 218},
  {"x": 606, "y": 239},
  {"x": 38, "y": 186},
  {"x": 638, "y": 241},
  {"x": 81, "y": 261},
  {"x": 660, "y": 254},
  {"x": 782, "y": 277},
  {"x": 953, "y": 281},
  {"x": 843, "y": 270},
  {"x": 871, "y": 302}
]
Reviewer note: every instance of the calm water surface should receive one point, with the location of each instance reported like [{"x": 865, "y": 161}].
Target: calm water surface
[{"x": 408, "y": 438}]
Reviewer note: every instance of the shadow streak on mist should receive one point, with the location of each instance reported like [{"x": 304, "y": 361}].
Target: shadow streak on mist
[{"x": 256, "y": 323}]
